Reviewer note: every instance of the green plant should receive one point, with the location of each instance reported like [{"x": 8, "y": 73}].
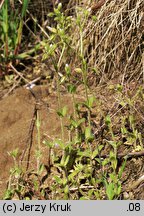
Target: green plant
[
  {"x": 112, "y": 180},
  {"x": 87, "y": 165},
  {"x": 11, "y": 26},
  {"x": 56, "y": 49},
  {"x": 81, "y": 22},
  {"x": 15, "y": 173},
  {"x": 38, "y": 151}
]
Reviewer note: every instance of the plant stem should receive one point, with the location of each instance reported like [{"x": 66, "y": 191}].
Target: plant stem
[
  {"x": 58, "y": 90},
  {"x": 84, "y": 74},
  {"x": 39, "y": 142}
]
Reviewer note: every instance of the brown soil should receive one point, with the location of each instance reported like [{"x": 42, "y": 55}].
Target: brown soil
[{"x": 16, "y": 115}]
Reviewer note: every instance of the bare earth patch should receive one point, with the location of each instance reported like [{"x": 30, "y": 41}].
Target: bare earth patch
[{"x": 16, "y": 113}]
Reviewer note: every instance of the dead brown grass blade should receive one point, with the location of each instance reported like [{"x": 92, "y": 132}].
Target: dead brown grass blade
[{"x": 114, "y": 42}]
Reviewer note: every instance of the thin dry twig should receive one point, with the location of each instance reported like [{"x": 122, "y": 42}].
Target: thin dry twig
[
  {"x": 29, "y": 140},
  {"x": 1, "y": 3},
  {"x": 83, "y": 187},
  {"x": 128, "y": 156},
  {"x": 18, "y": 73}
]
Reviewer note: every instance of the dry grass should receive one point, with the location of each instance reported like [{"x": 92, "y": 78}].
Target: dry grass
[{"x": 114, "y": 42}]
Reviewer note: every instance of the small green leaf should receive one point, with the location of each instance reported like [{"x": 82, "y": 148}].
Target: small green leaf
[
  {"x": 121, "y": 169},
  {"x": 71, "y": 88},
  {"x": 73, "y": 174},
  {"x": 95, "y": 153},
  {"x": 24, "y": 8},
  {"x": 62, "y": 162},
  {"x": 62, "y": 112},
  {"x": 66, "y": 189},
  {"x": 76, "y": 124},
  {"x": 83, "y": 198},
  {"x": 119, "y": 188},
  {"x": 122, "y": 103},
  {"x": 119, "y": 87},
  {"x": 108, "y": 120},
  {"x": 66, "y": 160},
  {"x": 124, "y": 130},
  {"x": 110, "y": 190},
  {"x": 59, "y": 6},
  {"x": 62, "y": 80},
  {"x": 14, "y": 153},
  {"x": 58, "y": 179},
  {"x": 88, "y": 134},
  {"x": 105, "y": 162},
  {"x": 48, "y": 144},
  {"x": 41, "y": 168},
  {"x": 80, "y": 121},
  {"x": 113, "y": 160},
  {"x": 94, "y": 18},
  {"x": 91, "y": 101},
  {"x": 50, "y": 14},
  {"x": 67, "y": 70}
]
